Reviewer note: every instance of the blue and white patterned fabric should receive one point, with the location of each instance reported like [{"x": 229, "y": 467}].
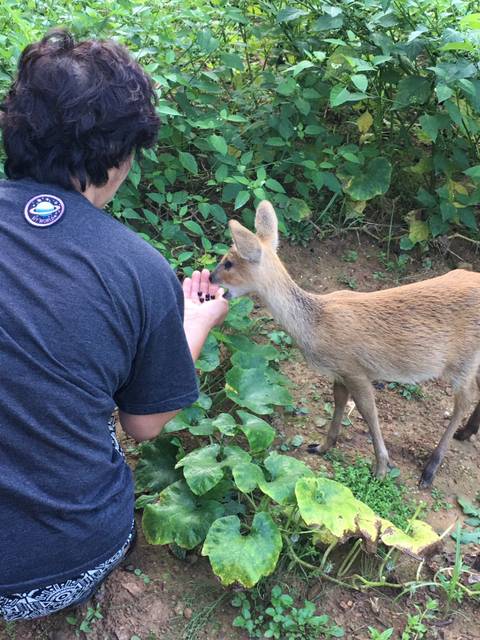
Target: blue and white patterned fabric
[{"x": 48, "y": 600}]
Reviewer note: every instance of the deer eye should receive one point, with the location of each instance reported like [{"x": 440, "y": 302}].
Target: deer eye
[{"x": 227, "y": 264}]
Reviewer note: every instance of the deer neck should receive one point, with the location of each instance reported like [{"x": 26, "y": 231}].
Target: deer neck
[{"x": 290, "y": 305}]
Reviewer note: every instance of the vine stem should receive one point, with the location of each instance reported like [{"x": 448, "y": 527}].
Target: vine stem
[{"x": 312, "y": 567}]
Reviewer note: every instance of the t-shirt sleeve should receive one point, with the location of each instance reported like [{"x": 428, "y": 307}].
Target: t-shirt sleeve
[{"x": 163, "y": 375}]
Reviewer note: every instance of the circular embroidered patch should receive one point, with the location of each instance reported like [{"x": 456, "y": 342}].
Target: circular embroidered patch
[{"x": 44, "y": 210}]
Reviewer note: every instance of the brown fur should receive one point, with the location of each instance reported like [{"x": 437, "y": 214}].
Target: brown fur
[{"x": 417, "y": 332}]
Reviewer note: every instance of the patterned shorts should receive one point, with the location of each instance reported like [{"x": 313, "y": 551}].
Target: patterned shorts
[{"x": 50, "y": 599}]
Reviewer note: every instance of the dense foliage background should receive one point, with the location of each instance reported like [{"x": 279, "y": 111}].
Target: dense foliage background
[{"x": 338, "y": 112}]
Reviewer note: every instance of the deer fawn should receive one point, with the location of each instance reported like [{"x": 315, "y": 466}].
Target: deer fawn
[{"x": 408, "y": 334}]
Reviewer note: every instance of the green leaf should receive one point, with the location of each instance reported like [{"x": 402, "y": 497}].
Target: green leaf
[
  {"x": 290, "y": 13},
  {"x": 209, "y": 358},
  {"x": 300, "y": 66},
  {"x": 242, "y": 198},
  {"x": 156, "y": 468},
  {"x": 431, "y": 126},
  {"x": 194, "y": 227},
  {"x": 179, "y": 517},
  {"x": 219, "y": 144},
  {"x": 412, "y": 90},
  {"x": 273, "y": 185},
  {"x": 243, "y": 558},
  {"x": 328, "y": 505},
  {"x": 165, "y": 110},
  {"x": 470, "y": 21},
  {"x": 473, "y": 172},
  {"x": 287, "y": 87},
  {"x": 232, "y": 60},
  {"x": 443, "y": 92},
  {"x": 340, "y": 94},
  {"x": 225, "y": 423},
  {"x": 247, "y": 475},
  {"x": 255, "y": 389},
  {"x": 332, "y": 19},
  {"x": 203, "y": 470},
  {"x": 360, "y": 81},
  {"x": 469, "y": 509},
  {"x": 373, "y": 181},
  {"x": 188, "y": 162},
  {"x": 259, "y": 433},
  {"x": 284, "y": 471}
]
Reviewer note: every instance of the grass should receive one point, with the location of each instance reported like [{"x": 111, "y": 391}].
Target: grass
[{"x": 386, "y": 497}]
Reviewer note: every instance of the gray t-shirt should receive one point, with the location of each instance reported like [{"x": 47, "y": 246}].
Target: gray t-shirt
[{"x": 91, "y": 317}]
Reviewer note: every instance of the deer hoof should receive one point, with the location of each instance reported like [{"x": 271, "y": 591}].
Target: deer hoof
[
  {"x": 381, "y": 469},
  {"x": 462, "y": 434},
  {"x": 318, "y": 449}
]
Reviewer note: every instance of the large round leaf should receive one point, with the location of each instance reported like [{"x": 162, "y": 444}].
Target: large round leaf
[
  {"x": 243, "y": 558},
  {"x": 247, "y": 476},
  {"x": 327, "y": 504},
  {"x": 179, "y": 516},
  {"x": 259, "y": 433},
  {"x": 203, "y": 470},
  {"x": 284, "y": 472},
  {"x": 374, "y": 180},
  {"x": 210, "y": 357},
  {"x": 419, "y": 542},
  {"x": 256, "y": 389},
  {"x": 156, "y": 467}
]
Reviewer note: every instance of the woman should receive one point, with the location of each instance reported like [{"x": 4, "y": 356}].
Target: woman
[{"x": 91, "y": 317}]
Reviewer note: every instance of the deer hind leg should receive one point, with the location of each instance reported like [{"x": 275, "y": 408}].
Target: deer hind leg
[
  {"x": 460, "y": 407},
  {"x": 473, "y": 423},
  {"x": 364, "y": 397},
  {"x": 340, "y": 397}
]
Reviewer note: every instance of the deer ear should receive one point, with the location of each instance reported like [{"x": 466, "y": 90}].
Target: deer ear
[
  {"x": 266, "y": 223},
  {"x": 245, "y": 241}
]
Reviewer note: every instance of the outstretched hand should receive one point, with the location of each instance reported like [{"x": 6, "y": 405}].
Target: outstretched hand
[{"x": 205, "y": 305}]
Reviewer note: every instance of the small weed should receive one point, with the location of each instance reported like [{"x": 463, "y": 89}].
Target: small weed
[
  {"x": 351, "y": 282},
  {"x": 11, "y": 631},
  {"x": 282, "y": 621},
  {"x": 350, "y": 256},
  {"x": 416, "y": 629},
  {"x": 92, "y": 616},
  {"x": 379, "y": 275},
  {"x": 143, "y": 576},
  {"x": 386, "y": 497},
  {"x": 380, "y": 635},
  {"x": 396, "y": 264},
  {"x": 439, "y": 501},
  {"x": 407, "y": 391},
  {"x": 283, "y": 341}
]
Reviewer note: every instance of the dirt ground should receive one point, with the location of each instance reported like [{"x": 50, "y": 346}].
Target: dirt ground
[{"x": 158, "y": 596}]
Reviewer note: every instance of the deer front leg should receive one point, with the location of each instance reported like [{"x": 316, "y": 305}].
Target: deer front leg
[
  {"x": 364, "y": 397},
  {"x": 460, "y": 407},
  {"x": 340, "y": 397}
]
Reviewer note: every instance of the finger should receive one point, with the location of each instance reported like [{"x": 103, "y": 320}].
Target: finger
[
  {"x": 187, "y": 287},
  {"x": 214, "y": 288},
  {"x": 195, "y": 286},
  {"x": 205, "y": 283}
]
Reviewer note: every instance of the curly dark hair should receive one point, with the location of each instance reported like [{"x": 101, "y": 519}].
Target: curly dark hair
[{"x": 76, "y": 110}]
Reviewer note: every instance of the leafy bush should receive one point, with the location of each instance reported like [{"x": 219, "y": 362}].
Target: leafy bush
[{"x": 312, "y": 105}]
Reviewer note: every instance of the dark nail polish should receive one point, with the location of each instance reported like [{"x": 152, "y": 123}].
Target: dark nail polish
[
  {"x": 202, "y": 300},
  {"x": 207, "y": 297},
  {"x": 212, "y": 297},
  {"x": 199, "y": 294}
]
